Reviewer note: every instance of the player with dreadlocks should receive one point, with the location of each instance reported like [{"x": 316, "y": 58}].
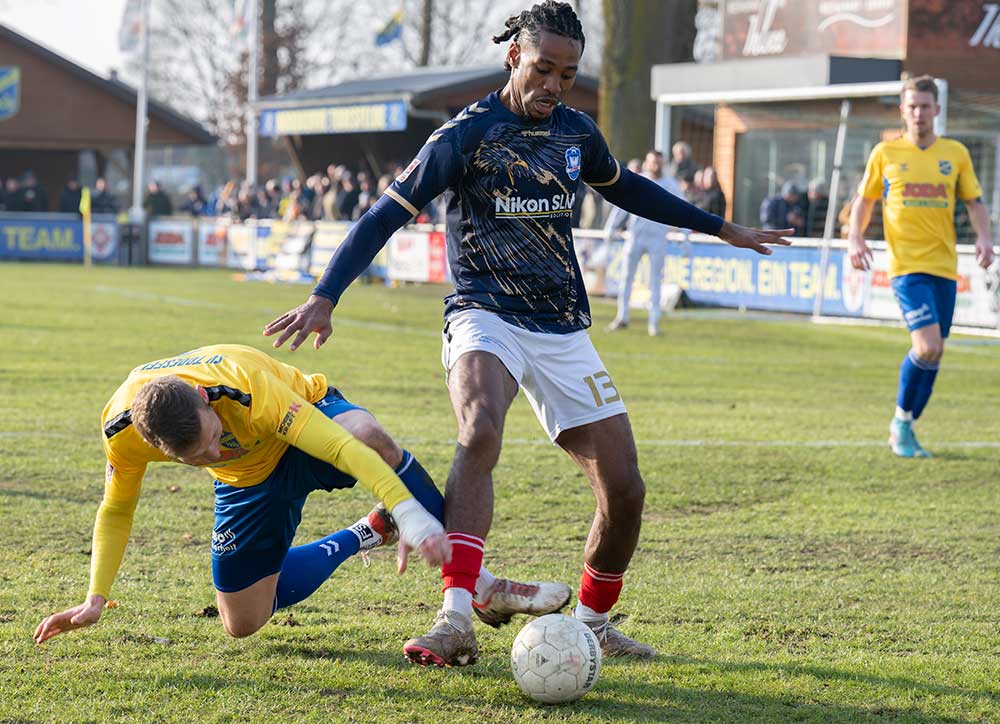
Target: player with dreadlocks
[{"x": 512, "y": 164}]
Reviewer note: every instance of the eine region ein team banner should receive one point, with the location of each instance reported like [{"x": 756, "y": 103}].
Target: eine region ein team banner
[
  {"x": 55, "y": 239},
  {"x": 714, "y": 274}
]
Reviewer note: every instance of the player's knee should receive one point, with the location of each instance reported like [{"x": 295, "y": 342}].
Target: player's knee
[
  {"x": 240, "y": 628},
  {"x": 374, "y": 436},
  {"x": 626, "y": 502},
  {"x": 930, "y": 352},
  {"x": 630, "y": 501},
  {"x": 481, "y": 435}
]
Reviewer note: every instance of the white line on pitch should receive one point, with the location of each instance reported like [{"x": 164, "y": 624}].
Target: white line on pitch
[
  {"x": 340, "y": 320},
  {"x": 733, "y": 443}
]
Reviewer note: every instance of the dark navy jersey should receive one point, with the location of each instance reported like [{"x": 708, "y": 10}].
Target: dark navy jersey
[{"x": 511, "y": 183}]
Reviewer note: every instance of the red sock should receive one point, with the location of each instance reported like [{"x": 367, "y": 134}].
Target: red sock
[
  {"x": 598, "y": 590},
  {"x": 466, "y": 559}
]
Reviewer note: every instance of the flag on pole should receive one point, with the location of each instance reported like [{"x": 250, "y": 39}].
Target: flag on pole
[
  {"x": 240, "y": 26},
  {"x": 130, "y": 30},
  {"x": 85, "y": 213},
  {"x": 393, "y": 30}
]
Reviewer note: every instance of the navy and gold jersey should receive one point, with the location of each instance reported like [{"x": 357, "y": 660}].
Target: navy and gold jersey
[{"x": 511, "y": 183}]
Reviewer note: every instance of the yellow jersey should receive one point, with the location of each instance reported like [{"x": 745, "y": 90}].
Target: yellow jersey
[
  {"x": 264, "y": 406},
  {"x": 250, "y": 392},
  {"x": 918, "y": 188}
]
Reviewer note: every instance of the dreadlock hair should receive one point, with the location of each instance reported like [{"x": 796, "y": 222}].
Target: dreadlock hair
[{"x": 555, "y": 17}]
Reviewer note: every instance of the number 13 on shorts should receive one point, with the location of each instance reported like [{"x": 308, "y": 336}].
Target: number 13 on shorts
[{"x": 602, "y": 388}]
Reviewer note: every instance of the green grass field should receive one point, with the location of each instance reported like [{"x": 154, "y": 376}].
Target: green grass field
[{"x": 790, "y": 569}]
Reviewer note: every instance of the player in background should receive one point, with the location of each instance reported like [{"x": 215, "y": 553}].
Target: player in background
[
  {"x": 512, "y": 164},
  {"x": 919, "y": 177},
  {"x": 645, "y": 237},
  {"x": 270, "y": 435}
]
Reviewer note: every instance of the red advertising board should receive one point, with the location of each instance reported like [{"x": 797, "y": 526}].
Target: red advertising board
[{"x": 859, "y": 28}]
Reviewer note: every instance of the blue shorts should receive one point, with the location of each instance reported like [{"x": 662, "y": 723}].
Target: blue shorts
[
  {"x": 926, "y": 299},
  {"x": 254, "y": 526}
]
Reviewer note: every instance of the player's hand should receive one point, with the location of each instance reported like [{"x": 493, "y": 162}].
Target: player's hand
[
  {"x": 860, "y": 254},
  {"x": 313, "y": 316},
  {"x": 72, "y": 618},
  {"x": 984, "y": 253},
  {"x": 743, "y": 237},
  {"x": 436, "y": 550}
]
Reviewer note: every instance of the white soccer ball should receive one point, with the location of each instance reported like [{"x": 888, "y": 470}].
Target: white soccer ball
[{"x": 555, "y": 659}]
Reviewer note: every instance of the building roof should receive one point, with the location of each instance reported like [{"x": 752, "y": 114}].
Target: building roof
[
  {"x": 416, "y": 86},
  {"x": 113, "y": 87}
]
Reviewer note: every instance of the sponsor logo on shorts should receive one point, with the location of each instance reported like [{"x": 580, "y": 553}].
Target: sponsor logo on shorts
[
  {"x": 223, "y": 541},
  {"x": 920, "y": 314},
  {"x": 289, "y": 418}
]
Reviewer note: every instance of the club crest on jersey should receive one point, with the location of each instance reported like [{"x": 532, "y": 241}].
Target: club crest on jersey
[
  {"x": 944, "y": 167},
  {"x": 573, "y": 158}
]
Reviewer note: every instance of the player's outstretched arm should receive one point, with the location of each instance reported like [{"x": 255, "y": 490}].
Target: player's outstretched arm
[
  {"x": 362, "y": 243},
  {"x": 323, "y": 439},
  {"x": 311, "y": 316},
  {"x": 640, "y": 196},
  {"x": 85, "y": 614},
  {"x": 743, "y": 237},
  {"x": 112, "y": 527}
]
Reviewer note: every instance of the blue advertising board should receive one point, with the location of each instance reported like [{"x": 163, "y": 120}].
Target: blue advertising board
[
  {"x": 787, "y": 281},
  {"x": 356, "y": 118},
  {"x": 56, "y": 237}
]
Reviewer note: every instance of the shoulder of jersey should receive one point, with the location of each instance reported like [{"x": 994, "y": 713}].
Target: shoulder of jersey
[
  {"x": 577, "y": 116},
  {"x": 955, "y": 144},
  {"x": 460, "y": 123}
]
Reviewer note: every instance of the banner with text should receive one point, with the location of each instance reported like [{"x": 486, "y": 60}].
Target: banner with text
[
  {"x": 56, "y": 237},
  {"x": 171, "y": 242}
]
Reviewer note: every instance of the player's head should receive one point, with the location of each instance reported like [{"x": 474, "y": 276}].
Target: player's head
[
  {"x": 175, "y": 417},
  {"x": 543, "y": 57},
  {"x": 918, "y": 103}
]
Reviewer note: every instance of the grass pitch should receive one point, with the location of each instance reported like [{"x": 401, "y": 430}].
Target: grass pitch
[{"x": 789, "y": 569}]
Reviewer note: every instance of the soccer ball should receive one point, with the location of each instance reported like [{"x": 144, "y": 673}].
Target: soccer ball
[{"x": 555, "y": 659}]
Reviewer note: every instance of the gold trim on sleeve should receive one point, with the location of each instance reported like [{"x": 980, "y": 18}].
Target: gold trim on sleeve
[
  {"x": 618, "y": 172},
  {"x": 402, "y": 202}
]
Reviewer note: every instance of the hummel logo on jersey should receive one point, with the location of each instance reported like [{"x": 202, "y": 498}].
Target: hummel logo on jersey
[{"x": 558, "y": 205}]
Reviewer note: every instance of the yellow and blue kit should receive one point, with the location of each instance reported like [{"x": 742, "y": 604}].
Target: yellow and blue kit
[
  {"x": 278, "y": 444},
  {"x": 918, "y": 188}
]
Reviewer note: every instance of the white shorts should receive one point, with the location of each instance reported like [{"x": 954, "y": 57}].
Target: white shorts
[{"x": 561, "y": 374}]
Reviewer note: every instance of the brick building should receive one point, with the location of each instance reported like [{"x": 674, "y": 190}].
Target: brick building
[
  {"x": 763, "y": 105},
  {"x": 59, "y": 120}
]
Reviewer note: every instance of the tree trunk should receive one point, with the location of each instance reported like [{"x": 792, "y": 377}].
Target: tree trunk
[
  {"x": 425, "y": 33},
  {"x": 639, "y": 34},
  {"x": 269, "y": 49}
]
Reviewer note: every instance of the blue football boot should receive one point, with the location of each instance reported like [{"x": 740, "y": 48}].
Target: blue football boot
[{"x": 903, "y": 441}]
